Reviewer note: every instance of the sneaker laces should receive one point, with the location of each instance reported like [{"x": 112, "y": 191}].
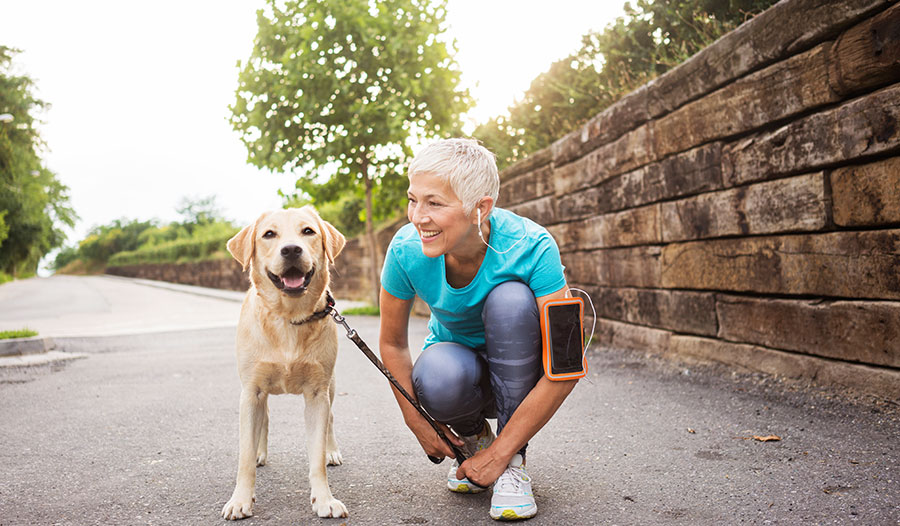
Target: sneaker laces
[{"x": 511, "y": 480}]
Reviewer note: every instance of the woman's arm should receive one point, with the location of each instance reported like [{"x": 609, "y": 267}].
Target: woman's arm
[
  {"x": 394, "y": 348},
  {"x": 532, "y": 414}
]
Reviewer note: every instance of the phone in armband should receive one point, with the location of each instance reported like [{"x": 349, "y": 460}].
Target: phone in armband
[{"x": 562, "y": 333}]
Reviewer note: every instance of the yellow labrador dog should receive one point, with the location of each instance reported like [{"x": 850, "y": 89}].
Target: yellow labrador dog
[{"x": 286, "y": 344}]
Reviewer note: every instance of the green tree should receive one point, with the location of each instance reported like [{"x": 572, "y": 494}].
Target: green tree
[
  {"x": 340, "y": 89},
  {"x": 197, "y": 212},
  {"x": 33, "y": 203},
  {"x": 651, "y": 38}
]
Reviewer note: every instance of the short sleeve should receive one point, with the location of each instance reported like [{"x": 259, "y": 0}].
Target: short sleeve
[
  {"x": 548, "y": 273},
  {"x": 394, "y": 278}
]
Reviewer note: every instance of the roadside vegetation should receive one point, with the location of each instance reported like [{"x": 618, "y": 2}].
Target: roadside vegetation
[
  {"x": 200, "y": 235},
  {"x": 21, "y": 333},
  {"x": 365, "y": 310}
]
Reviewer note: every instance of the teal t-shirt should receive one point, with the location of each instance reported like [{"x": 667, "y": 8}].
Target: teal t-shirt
[{"x": 456, "y": 313}]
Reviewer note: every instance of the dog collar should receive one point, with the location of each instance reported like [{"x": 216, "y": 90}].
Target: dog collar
[{"x": 329, "y": 306}]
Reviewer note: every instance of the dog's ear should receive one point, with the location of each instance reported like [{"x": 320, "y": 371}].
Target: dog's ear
[
  {"x": 243, "y": 244},
  {"x": 332, "y": 240}
]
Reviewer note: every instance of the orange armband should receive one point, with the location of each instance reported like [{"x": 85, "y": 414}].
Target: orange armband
[{"x": 562, "y": 335}]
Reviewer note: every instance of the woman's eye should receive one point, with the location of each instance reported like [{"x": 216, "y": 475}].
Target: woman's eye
[
  {"x": 308, "y": 231},
  {"x": 269, "y": 234}
]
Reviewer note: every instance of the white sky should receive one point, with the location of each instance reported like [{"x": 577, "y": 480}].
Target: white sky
[{"x": 140, "y": 91}]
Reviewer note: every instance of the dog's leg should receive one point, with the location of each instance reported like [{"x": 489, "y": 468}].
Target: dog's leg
[
  {"x": 332, "y": 451},
  {"x": 262, "y": 449},
  {"x": 241, "y": 503},
  {"x": 316, "y": 416}
]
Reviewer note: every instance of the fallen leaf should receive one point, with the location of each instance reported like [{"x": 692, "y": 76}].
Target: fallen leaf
[{"x": 769, "y": 438}]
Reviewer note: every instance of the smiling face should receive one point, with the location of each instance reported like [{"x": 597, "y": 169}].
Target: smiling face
[
  {"x": 287, "y": 249},
  {"x": 286, "y": 244},
  {"x": 438, "y": 215}
]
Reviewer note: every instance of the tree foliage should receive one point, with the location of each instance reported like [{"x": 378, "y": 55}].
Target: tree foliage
[
  {"x": 338, "y": 90},
  {"x": 33, "y": 203},
  {"x": 651, "y": 38}
]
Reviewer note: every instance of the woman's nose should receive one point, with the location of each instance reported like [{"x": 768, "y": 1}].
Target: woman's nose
[{"x": 417, "y": 215}]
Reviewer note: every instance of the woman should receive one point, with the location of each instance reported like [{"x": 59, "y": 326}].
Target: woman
[{"x": 485, "y": 273}]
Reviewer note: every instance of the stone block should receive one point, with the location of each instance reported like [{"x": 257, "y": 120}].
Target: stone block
[
  {"x": 638, "y": 226},
  {"x": 617, "y": 267},
  {"x": 867, "y": 195},
  {"x": 840, "y": 264},
  {"x": 690, "y": 172},
  {"x": 867, "y": 55},
  {"x": 857, "y": 331},
  {"x": 632, "y": 150},
  {"x": 526, "y": 187},
  {"x": 541, "y": 211},
  {"x": 675, "y": 310},
  {"x": 528, "y": 164},
  {"x": 794, "y": 204},
  {"x": 787, "y": 88},
  {"x": 860, "y": 128},
  {"x": 766, "y": 38},
  {"x": 625, "y": 336}
]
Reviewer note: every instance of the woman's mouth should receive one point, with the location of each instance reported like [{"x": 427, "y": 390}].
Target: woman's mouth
[{"x": 428, "y": 235}]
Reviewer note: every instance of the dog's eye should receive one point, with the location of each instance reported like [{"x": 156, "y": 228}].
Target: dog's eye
[
  {"x": 308, "y": 231},
  {"x": 269, "y": 234}
]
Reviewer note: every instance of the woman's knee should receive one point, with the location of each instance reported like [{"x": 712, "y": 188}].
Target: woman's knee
[
  {"x": 511, "y": 301},
  {"x": 449, "y": 381}
]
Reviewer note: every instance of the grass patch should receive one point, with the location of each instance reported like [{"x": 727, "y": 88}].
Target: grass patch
[
  {"x": 21, "y": 333},
  {"x": 368, "y": 310}
]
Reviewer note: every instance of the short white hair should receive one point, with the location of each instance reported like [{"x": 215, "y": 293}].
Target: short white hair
[{"x": 469, "y": 167}]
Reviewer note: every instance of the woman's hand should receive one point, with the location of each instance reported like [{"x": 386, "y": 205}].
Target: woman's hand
[
  {"x": 484, "y": 467},
  {"x": 429, "y": 440}
]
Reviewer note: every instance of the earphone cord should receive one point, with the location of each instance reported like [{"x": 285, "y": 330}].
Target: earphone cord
[
  {"x": 594, "y": 325},
  {"x": 481, "y": 236}
]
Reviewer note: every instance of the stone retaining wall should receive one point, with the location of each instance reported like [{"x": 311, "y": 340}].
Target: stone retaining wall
[{"x": 745, "y": 207}]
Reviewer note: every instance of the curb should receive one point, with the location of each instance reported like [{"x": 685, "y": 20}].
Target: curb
[{"x": 22, "y": 346}]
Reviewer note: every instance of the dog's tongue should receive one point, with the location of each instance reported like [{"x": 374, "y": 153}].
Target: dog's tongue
[{"x": 294, "y": 282}]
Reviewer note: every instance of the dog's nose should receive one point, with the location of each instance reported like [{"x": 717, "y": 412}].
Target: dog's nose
[{"x": 291, "y": 251}]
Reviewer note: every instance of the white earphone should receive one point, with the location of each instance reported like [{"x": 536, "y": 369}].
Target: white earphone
[{"x": 479, "y": 224}]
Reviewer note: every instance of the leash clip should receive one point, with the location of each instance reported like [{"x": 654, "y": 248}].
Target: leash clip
[{"x": 343, "y": 321}]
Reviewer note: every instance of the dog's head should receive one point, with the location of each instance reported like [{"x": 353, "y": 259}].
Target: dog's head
[{"x": 290, "y": 248}]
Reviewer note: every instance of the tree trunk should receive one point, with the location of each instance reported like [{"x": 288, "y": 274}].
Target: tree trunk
[{"x": 374, "y": 252}]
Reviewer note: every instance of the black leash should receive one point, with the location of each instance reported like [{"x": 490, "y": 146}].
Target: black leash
[{"x": 354, "y": 337}]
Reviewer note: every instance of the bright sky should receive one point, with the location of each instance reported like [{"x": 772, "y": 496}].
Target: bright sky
[{"x": 140, "y": 91}]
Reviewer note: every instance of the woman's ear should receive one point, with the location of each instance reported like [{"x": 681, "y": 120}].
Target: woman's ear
[{"x": 483, "y": 209}]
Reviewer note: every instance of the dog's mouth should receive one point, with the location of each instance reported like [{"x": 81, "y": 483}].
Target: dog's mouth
[{"x": 293, "y": 282}]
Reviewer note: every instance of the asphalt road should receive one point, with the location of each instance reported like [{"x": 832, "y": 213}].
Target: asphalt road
[{"x": 144, "y": 431}]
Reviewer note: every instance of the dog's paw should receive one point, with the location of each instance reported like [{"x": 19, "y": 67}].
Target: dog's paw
[
  {"x": 334, "y": 458},
  {"x": 328, "y": 507},
  {"x": 238, "y": 508}
]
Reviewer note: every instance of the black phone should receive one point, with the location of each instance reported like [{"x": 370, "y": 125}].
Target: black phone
[{"x": 563, "y": 339}]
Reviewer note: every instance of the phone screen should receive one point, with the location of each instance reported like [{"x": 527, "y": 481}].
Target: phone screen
[{"x": 566, "y": 338}]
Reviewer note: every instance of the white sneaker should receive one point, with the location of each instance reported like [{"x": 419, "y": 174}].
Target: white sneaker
[
  {"x": 472, "y": 445},
  {"x": 513, "y": 499}
]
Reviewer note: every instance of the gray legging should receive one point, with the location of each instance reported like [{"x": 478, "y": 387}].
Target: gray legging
[{"x": 460, "y": 386}]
